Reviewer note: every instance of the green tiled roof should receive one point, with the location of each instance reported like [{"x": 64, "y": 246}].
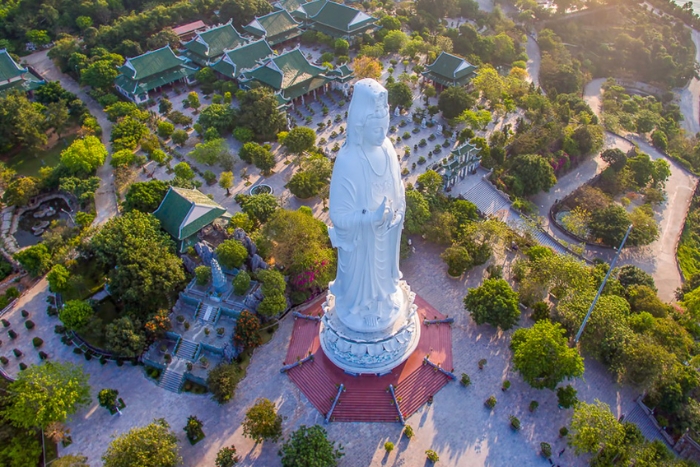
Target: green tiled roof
[
  {"x": 242, "y": 58},
  {"x": 290, "y": 72},
  {"x": 276, "y": 27},
  {"x": 151, "y": 63},
  {"x": 342, "y": 18},
  {"x": 341, "y": 74},
  {"x": 450, "y": 70},
  {"x": 308, "y": 9},
  {"x": 136, "y": 87},
  {"x": 8, "y": 67},
  {"x": 183, "y": 212},
  {"x": 463, "y": 149},
  {"x": 289, "y": 5},
  {"x": 211, "y": 43}
]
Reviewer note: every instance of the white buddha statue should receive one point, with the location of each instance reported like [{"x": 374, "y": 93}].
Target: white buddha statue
[{"x": 368, "y": 305}]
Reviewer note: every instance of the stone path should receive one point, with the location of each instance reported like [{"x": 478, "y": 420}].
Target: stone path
[{"x": 105, "y": 197}]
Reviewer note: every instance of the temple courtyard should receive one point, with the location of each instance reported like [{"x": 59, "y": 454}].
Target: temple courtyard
[{"x": 457, "y": 425}]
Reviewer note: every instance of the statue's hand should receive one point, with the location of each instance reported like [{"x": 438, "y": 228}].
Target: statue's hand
[
  {"x": 381, "y": 214},
  {"x": 397, "y": 220}
]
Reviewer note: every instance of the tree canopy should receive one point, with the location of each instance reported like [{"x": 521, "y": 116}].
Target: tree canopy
[
  {"x": 152, "y": 445},
  {"x": 259, "y": 112},
  {"x": 542, "y": 356},
  {"x": 84, "y": 156},
  {"x": 231, "y": 253},
  {"x": 299, "y": 140},
  {"x": 262, "y": 422},
  {"x": 310, "y": 446},
  {"x": 495, "y": 303},
  {"x": 145, "y": 196},
  {"x": 75, "y": 314}
]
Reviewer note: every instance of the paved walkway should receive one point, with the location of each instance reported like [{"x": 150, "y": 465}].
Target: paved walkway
[
  {"x": 457, "y": 425},
  {"x": 105, "y": 198}
]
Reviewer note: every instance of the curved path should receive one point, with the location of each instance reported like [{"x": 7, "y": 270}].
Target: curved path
[{"x": 105, "y": 197}]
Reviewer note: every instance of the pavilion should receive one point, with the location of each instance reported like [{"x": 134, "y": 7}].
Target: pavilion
[
  {"x": 153, "y": 70},
  {"x": 276, "y": 28},
  {"x": 208, "y": 46},
  {"x": 183, "y": 213},
  {"x": 463, "y": 160},
  {"x": 290, "y": 75},
  {"x": 243, "y": 58},
  {"x": 449, "y": 70},
  {"x": 13, "y": 76},
  {"x": 335, "y": 19}
]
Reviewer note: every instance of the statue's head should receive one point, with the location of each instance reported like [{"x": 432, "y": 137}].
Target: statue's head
[{"x": 368, "y": 117}]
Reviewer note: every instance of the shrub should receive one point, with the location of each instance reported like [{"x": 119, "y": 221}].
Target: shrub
[
  {"x": 563, "y": 431},
  {"x": 389, "y": 446},
  {"x": 12, "y": 334},
  {"x": 4, "y": 360},
  {"x": 22, "y": 366},
  {"x": 226, "y": 457},
  {"x": 88, "y": 355},
  {"x": 482, "y": 363},
  {"x": 432, "y": 455},
  {"x": 43, "y": 355},
  {"x": 5, "y": 323},
  {"x": 514, "y": 422},
  {"x": 540, "y": 311},
  {"x": 17, "y": 352},
  {"x": 566, "y": 396},
  {"x": 534, "y": 405},
  {"x": 490, "y": 402},
  {"x": 506, "y": 385},
  {"x": 52, "y": 311},
  {"x": 78, "y": 351},
  {"x": 202, "y": 274},
  {"x": 37, "y": 342},
  {"x": 546, "y": 450},
  {"x": 25, "y": 314},
  {"x": 209, "y": 177},
  {"x": 465, "y": 380},
  {"x": 29, "y": 324}
]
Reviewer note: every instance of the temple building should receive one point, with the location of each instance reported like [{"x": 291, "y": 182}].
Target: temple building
[
  {"x": 243, "y": 58},
  {"x": 290, "y": 75},
  {"x": 187, "y": 31},
  {"x": 183, "y": 213},
  {"x": 276, "y": 28},
  {"x": 208, "y": 46},
  {"x": 151, "y": 71},
  {"x": 288, "y": 5},
  {"x": 463, "y": 160},
  {"x": 449, "y": 70},
  {"x": 13, "y": 76},
  {"x": 335, "y": 19}
]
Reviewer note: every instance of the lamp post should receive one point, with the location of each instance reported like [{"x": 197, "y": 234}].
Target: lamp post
[{"x": 602, "y": 286}]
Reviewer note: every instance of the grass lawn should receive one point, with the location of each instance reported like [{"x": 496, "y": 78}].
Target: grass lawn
[{"x": 28, "y": 163}]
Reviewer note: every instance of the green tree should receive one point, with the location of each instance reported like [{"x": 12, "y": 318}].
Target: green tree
[
  {"x": 41, "y": 394},
  {"x": 259, "y": 207},
  {"x": 394, "y": 41},
  {"x": 21, "y": 122},
  {"x": 223, "y": 378},
  {"x": 84, "y": 156},
  {"x": 390, "y": 23},
  {"x": 184, "y": 171},
  {"x": 264, "y": 160},
  {"x": 241, "y": 283},
  {"x": 58, "y": 278},
  {"x": 615, "y": 158},
  {"x": 341, "y": 47},
  {"x": 660, "y": 172},
  {"x": 609, "y": 224},
  {"x": 71, "y": 460},
  {"x": 259, "y": 112},
  {"x": 453, "y": 101},
  {"x": 299, "y": 140},
  {"x": 202, "y": 274},
  {"x": 534, "y": 172},
  {"x": 630, "y": 275},
  {"x": 231, "y": 253},
  {"x": 76, "y": 314},
  {"x": 495, "y": 303},
  {"x": 475, "y": 119},
  {"x": 20, "y": 190},
  {"x": 218, "y": 116},
  {"x": 192, "y": 100},
  {"x": 457, "y": 259},
  {"x": 107, "y": 398},
  {"x": 644, "y": 227},
  {"x": 226, "y": 457},
  {"x": 210, "y": 152},
  {"x": 542, "y": 356},
  {"x": 100, "y": 74},
  {"x": 165, "y": 129},
  {"x": 180, "y": 137},
  {"x": 310, "y": 446},
  {"x": 247, "y": 332},
  {"x": 36, "y": 259},
  {"x": 593, "y": 427},
  {"x": 400, "y": 95},
  {"x": 145, "y": 196},
  {"x": 489, "y": 83},
  {"x": 57, "y": 116},
  {"x": 642, "y": 168},
  {"x": 152, "y": 445},
  {"x": 429, "y": 183},
  {"x": 262, "y": 422},
  {"x": 226, "y": 181},
  {"x": 124, "y": 338},
  {"x": 417, "y": 212}
]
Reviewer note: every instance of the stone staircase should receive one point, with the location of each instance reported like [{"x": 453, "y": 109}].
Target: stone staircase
[
  {"x": 491, "y": 203},
  {"x": 187, "y": 350},
  {"x": 639, "y": 417},
  {"x": 209, "y": 313},
  {"x": 171, "y": 380}
]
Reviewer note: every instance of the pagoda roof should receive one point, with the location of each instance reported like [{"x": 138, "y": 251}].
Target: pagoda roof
[
  {"x": 307, "y": 10},
  {"x": 151, "y": 63},
  {"x": 183, "y": 212},
  {"x": 276, "y": 27},
  {"x": 450, "y": 70},
  {"x": 213, "y": 42},
  {"x": 8, "y": 67},
  {"x": 463, "y": 149},
  {"x": 243, "y": 57},
  {"x": 342, "y": 73},
  {"x": 342, "y": 17},
  {"x": 289, "y": 5},
  {"x": 290, "y": 73}
]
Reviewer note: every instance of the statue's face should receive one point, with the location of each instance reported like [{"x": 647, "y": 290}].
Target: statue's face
[{"x": 375, "y": 129}]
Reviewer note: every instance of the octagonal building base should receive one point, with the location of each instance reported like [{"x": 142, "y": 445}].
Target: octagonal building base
[{"x": 366, "y": 398}]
